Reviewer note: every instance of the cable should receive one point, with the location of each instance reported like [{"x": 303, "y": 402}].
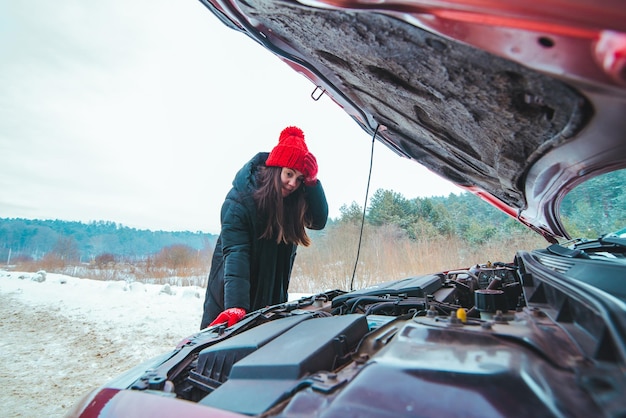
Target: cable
[{"x": 367, "y": 190}]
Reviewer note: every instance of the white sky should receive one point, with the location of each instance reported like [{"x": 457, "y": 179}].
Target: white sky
[{"x": 140, "y": 112}]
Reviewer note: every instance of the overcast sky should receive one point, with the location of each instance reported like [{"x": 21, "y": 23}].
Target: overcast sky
[{"x": 140, "y": 112}]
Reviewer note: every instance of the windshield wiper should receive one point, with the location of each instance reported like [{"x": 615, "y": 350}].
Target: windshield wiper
[
  {"x": 614, "y": 241},
  {"x": 607, "y": 243}
]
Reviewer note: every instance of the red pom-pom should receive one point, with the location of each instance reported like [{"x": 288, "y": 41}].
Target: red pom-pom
[{"x": 291, "y": 131}]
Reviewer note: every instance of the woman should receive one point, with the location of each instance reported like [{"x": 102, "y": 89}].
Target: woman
[{"x": 274, "y": 198}]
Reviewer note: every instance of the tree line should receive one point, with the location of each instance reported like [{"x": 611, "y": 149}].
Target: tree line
[
  {"x": 592, "y": 209},
  {"x": 28, "y": 239}
]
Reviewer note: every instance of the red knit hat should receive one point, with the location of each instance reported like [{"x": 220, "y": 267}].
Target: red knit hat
[{"x": 291, "y": 152}]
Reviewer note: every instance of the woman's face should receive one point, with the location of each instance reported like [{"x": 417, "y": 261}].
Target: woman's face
[{"x": 290, "y": 180}]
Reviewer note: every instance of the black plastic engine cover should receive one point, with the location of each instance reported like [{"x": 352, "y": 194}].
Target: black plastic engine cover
[
  {"x": 417, "y": 286},
  {"x": 216, "y": 362},
  {"x": 264, "y": 377}
]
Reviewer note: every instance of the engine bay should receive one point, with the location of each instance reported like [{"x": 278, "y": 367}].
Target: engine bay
[{"x": 481, "y": 337}]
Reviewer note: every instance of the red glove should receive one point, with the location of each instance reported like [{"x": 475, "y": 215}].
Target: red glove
[
  {"x": 231, "y": 316},
  {"x": 310, "y": 170}
]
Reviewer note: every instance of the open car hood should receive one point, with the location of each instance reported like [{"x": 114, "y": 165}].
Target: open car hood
[{"x": 515, "y": 101}]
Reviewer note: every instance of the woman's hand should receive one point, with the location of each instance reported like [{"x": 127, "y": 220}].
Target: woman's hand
[
  {"x": 310, "y": 168},
  {"x": 231, "y": 316}
]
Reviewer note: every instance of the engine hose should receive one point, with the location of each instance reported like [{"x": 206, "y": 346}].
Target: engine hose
[
  {"x": 397, "y": 305},
  {"x": 354, "y": 303}
]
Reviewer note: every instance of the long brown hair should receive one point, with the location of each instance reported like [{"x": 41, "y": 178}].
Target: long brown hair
[{"x": 285, "y": 218}]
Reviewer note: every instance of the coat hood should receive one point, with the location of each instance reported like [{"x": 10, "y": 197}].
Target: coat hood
[{"x": 244, "y": 181}]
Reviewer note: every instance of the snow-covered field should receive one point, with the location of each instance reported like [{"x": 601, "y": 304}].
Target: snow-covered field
[{"x": 61, "y": 337}]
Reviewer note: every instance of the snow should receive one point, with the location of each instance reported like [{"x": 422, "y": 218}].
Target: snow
[
  {"x": 115, "y": 303},
  {"x": 62, "y": 336}
]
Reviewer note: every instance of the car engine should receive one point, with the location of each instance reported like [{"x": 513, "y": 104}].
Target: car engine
[{"x": 494, "y": 340}]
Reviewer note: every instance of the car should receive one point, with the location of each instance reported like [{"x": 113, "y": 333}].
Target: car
[{"x": 518, "y": 102}]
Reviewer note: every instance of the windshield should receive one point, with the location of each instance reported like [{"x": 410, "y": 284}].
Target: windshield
[{"x": 596, "y": 207}]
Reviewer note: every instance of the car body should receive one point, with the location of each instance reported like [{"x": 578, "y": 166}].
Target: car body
[{"x": 517, "y": 102}]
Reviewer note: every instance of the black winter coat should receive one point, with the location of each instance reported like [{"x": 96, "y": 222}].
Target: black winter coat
[{"x": 246, "y": 271}]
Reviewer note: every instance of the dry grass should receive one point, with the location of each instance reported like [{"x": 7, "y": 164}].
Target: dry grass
[{"x": 387, "y": 254}]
